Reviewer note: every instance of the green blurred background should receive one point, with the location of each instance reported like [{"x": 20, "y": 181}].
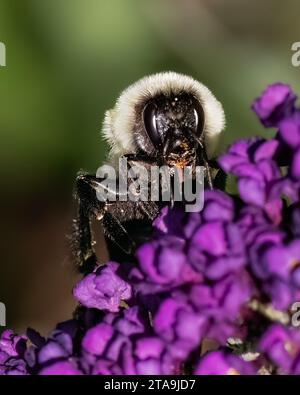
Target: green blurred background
[{"x": 67, "y": 61}]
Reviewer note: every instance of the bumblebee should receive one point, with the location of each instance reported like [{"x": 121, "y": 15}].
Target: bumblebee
[{"x": 163, "y": 119}]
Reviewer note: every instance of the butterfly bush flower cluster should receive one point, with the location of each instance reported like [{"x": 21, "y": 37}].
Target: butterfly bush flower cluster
[{"x": 228, "y": 275}]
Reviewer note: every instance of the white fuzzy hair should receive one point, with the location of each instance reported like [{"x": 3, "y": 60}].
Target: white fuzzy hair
[{"x": 119, "y": 122}]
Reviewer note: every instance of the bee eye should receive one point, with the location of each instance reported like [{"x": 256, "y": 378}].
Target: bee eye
[
  {"x": 199, "y": 118},
  {"x": 149, "y": 116}
]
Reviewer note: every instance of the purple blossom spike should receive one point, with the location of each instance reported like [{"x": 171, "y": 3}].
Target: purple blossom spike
[
  {"x": 253, "y": 162},
  {"x": 104, "y": 289},
  {"x": 231, "y": 270},
  {"x": 276, "y": 103},
  {"x": 12, "y": 349},
  {"x": 178, "y": 324},
  {"x": 279, "y": 268},
  {"x": 219, "y": 363},
  {"x": 282, "y": 346}
]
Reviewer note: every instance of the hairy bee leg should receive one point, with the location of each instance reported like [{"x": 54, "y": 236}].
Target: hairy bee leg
[
  {"x": 82, "y": 241},
  {"x": 116, "y": 232},
  {"x": 209, "y": 177},
  {"x": 220, "y": 179},
  {"x": 88, "y": 206},
  {"x": 88, "y": 192},
  {"x": 206, "y": 165}
]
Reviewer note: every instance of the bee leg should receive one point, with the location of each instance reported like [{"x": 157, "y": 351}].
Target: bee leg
[
  {"x": 82, "y": 241},
  {"x": 82, "y": 237},
  {"x": 91, "y": 205},
  {"x": 207, "y": 167},
  {"x": 116, "y": 232},
  {"x": 208, "y": 174},
  {"x": 220, "y": 179},
  {"x": 150, "y": 209}
]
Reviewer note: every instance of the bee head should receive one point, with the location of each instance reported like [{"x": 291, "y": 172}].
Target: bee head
[
  {"x": 173, "y": 124},
  {"x": 164, "y": 116}
]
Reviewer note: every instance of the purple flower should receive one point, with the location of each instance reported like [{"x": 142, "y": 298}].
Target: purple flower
[
  {"x": 12, "y": 349},
  {"x": 271, "y": 264},
  {"x": 282, "y": 346},
  {"x": 97, "y": 338},
  {"x": 125, "y": 345},
  {"x": 56, "y": 354},
  {"x": 12, "y": 366},
  {"x": 217, "y": 249},
  {"x": 220, "y": 363},
  {"x": 276, "y": 107},
  {"x": 278, "y": 267},
  {"x": 289, "y": 131},
  {"x": 66, "y": 368},
  {"x": 170, "y": 221},
  {"x": 163, "y": 265},
  {"x": 145, "y": 355},
  {"x": 289, "y": 135},
  {"x": 103, "y": 289},
  {"x": 152, "y": 357},
  {"x": 276, "y": 103},
  {"x": 177, "y": 323},
  {"x": 243, "y": 155},
  {"x": 222, "y": 304},
  {"x": 13, "y": 345},
  {"x": 260, "y": 240},
  {"x": 218, "y": 207},
  {"x": 214, "y": 246},
  {"x": 198, "y": 278},
  {"x": 194, "y": 278},
  {"x": 253, "y": 162},
  {"x": 212, "y": 311},
  {"x": 255, "y": 226}
]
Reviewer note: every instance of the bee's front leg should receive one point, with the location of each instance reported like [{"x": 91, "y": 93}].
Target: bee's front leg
[
  {"x": 92, "y": 203},
  {"x": 220, "y": 178},
  {"x": 88, "y": 207}
]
